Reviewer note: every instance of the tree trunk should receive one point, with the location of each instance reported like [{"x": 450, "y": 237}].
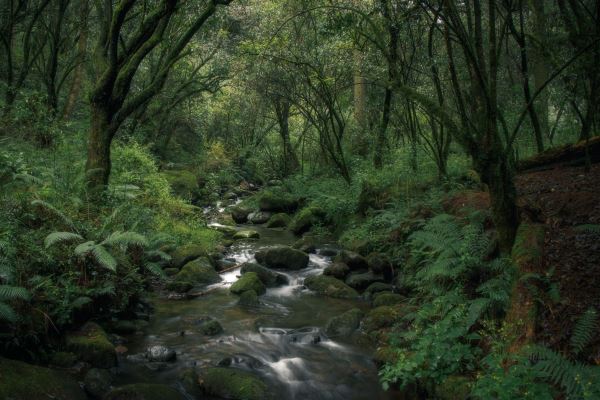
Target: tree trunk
[
  {"x": 81, "y": 55},
  {"x": 540, "y": 66},
  {"x": 97, "y": 168},
  {"x": 360, "y": 106}
]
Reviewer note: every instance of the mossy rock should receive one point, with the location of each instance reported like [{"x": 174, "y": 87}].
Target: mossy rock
[
  {"x": 259, "y": 217},
  {"x": 277, "y": 202},
  {"x": 268, "y": 277},
  {"x": 307, "y": 218},
  {"x": 280, "y": 220},
  {"x": 353, "y": 260},
  {"x": 362, "y": 281},
  {"x": 91, "y": 344},
  {"x": 283, "y": 257},
  {"x": 171, "y": 271},
  {"x": 123, "y": 327},
  {"x": 211, "y": 328},
  {"x": 63, "y": 359},
  {"x": 179, "y": 286},
  {"x": 249, "y": 298},
  {"x": 22, "y": 381},
  {"x": 329, "y": 286},
  {"x": 345, "y": 324},
  {"x": 378, "y": 287},
  {"x": 198, "y": 272},
  {"x": 227, "y": 230},
  {"x": 184, "y": 254},
  {"x": 246, "y": 234},
  {"x": 379, "y": 263},
  {"x": 240, "y": 214},
  {"x": 97, "y": 382},
  {"x": 183, "y": 183},
  {"x": 248, "y": 281},
  {"x": 388, "y": 299},
  {"x": 233, "y": 384},
  {"x": 307, "y": 244},
  {"x": 454, "y": 388},
  {"x": 382, "y": 317},
  {"x": 144, "y": 391},
  {"x": 337, "y": 270}
]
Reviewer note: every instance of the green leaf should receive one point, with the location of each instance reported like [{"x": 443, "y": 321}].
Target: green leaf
[
  {"x": 7, "y": 313},
  {"x": 126, "y": 239},
  {"x": 13, "y": 293},
  {"x": 85, "y": 248},
  {"x": 57, "y": 237},
  {"x": 104, "y": 258}
]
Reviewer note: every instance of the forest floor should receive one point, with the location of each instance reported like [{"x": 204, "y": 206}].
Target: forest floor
[{"x": 567, "y": 198}]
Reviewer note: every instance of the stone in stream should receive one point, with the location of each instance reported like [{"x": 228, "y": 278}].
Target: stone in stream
[
  {"x": 375, "y": 288},
  {"x": 307, "y": 218},
  {"x": 246, "y": 234},
  {"x": 240, "y": 214},
  {"x": 97, "y": 382},
  {"x": 259, "y": 217},
  {"x": 226, "y": 230},
  {"x": 329, "y": 286},
  {"x": 383, "y": 317},
  {"x": 160, "y": 353},
  {"x": 233, "y": 384},
  {"x": 388, "y": 299},
  {"x": 209, "y": 326},
  {"x": 345, "y": 324},
  {"x": 184, "y": 254},
  {"x": 337, "y": 270},
  {"x": 248, "y": 281},
  {"x": 379, "y": 263},
  {"x": 277, "y": 202},
  {"x": 144, "y": 391},
  {"x": 280, "y": 220},
  {"x": 353, "y": 260},
  {"x": 198, "y": 272},
  {"x": 249, "y": 298},
  {"x": 91, "y": 344},
  {"x": 268, "y": 277},
  {"x": 283, "y": 257},
  {"x": 22, "y": 381},
  {"x": 306, "y": 244},
  {"x": 362, "y": 281}
]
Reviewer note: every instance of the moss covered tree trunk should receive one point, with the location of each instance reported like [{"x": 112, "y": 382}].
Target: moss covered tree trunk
[{"x": 97, "y": 168}]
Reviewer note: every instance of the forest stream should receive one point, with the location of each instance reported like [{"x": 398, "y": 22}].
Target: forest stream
[{"x": 282, "y": 340}]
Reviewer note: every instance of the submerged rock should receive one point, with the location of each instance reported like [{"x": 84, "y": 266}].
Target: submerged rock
[
  {"x": 248, "y": 281},
  {"x": 144, "y": 391},
  {"x": 233, "y": 384},
  {"x": 268, "y": 277},
  {"x": 344, "y": 325},
  {"x": 22, "y": 381},
  {"x": 283, "y": 257},
  {"x": 329, "y": 286},
  {"x": 160, "y": 353},
  {"x": 210, "y": 326},
  {"x": 249, "y": 298},
  {"x": 91, "y": 344}
]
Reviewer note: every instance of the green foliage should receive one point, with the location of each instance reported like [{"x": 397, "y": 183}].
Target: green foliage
[{"x": 584, "y": 331}]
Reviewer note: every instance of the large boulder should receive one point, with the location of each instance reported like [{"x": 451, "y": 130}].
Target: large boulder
[
  {"x": 307, "y": 218},
  {"x": 91, "y": 344},
  {"x": 249, "y": 298},
  {"x": 246, "y": 234},
  {"x": 382, "y": 317},
  {"x": 362, "y": 281},
  {"x": 379, "y": 263},
  {"x": 329, "y": 286},
  {"x": 388, "y": 299},
  {"x": 227, "y": 230},
  {"x": 280, "y": 220},
  {"x": 233, "y": 384},
  {"x": 353, "y": 260},
  {"x": 283, "y": 257},
  {"x": 97, "y": 382},
  {"x": 184, "y": 254},
  {"x": 345, "y": 324},
  {"x": 307, "y": 244},
  {"x": 277, "y": 202},
  {"x": 268, "y": 277},
  {"x": 240, "y": 214},
  {"x": 259, "y": 217},
  {"x": 248, "y": 281},
  {"x": 337, "y": 270},
  {"x": 144, "y": 391},
  {"x": 198, "y": 272},
  {"x": 22, "y": 381}
]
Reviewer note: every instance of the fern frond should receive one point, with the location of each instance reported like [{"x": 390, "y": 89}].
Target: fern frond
[
  {"x": 7, "y": 313},
  {"x": 13, "y": 293},
  {"x": 588, "y": 228},
  {"x": 584, "y": 331},
  {"x": 158, "y": 254},
  {"x": 84, "y": 248},
  {"x": 80, "y": 302},
  {"x": 57, "y": 237},
  {"x": 53, "y": 210},
  {"x": 104, "y": 258},
  {"x": 126, "y": 239},
  {"x": 155, "y": 269}
]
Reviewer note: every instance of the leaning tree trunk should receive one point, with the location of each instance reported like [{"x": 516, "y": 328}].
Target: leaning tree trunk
[{"x": 97, "y": 167}]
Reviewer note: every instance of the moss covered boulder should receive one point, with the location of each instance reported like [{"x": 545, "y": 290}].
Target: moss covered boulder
[
  {"x": 183, "y": 183},
  {"x": 268, "y": 277},
  {"x": 246, "y": 234},
  {"x": 337, "y": 270},
  {"x": 345, "y": 324},
  {"x": 22, "y": 381},
  {"x": 198, "y": 272},
  {"x": 362, "y": 281},
  {"x": 97, "y": 382},
  {"x": 283, "y": 257},
  {"x": 144, "y": 391},
  {"x": 91, "y": 345},
  {"x": 280, "y": 220},
  {"x": 388, "y": 299},
  {"x": 329, "y": 286},
  {"x": 307, "y": 218},
  {"x": 307, "y": 244},
  {"x": 249, "y": 298},
  {"x": 277, "y": 202},
  {"x": 240, "y": 214},
  {"x": 248, "y": 281},
  {"x": 353, "y": 260},
  {"x": 382, "y": 317},
  {"x": 233, "y": 384},
  {"x": 184, "y": 254},
  {"x": 211, "y": 327}
]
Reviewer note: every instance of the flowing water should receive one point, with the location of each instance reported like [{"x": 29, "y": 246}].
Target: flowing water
[{"x": 282, "y": 340}]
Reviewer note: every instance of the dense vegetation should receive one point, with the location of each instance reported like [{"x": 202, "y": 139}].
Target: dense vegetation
[{"x": 395, "y": 128}]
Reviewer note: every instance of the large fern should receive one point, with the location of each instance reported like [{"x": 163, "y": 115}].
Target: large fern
[
  {"x": 57, "y": 237},
  {"x": 585, "y": 330}
]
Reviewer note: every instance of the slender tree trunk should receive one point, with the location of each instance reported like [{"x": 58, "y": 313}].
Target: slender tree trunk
[
  {"x": 81, "y": 56},
  {"x": 360, "y": 106},
  {"x": 540, "y": 66},
  {"x": 98, "y": 163}
]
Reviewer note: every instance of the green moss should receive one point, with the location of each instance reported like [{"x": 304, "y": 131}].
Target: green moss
[
  {"x": 454, "y": 388},
  {"x": 388, "y": 299},
  {"x": 329, "y": 286},
  {"x": 198, "y": 272},
  {"x": 211, "y": 328},
  {"x": 183, "y": 183},
  {"x": 529, "y": 244},
  {"x": 63, "y": 359},
  {"x": 344, "y": 324},
  {"x": 92, "y": 345},
  {"x": 187, "y": 253},
  {"x": 246, "y": 234},
  {"x": 179, "y": 287},
  {"x": 233, "y": 384},
  {"x": 21, "y": 381},
  {"x": 268, "y": 277},
  {"x": 249, "y": 298},
  {"x": 382, "y": 317},
  {"x": 277, "y": 202},
  {"x": 144, "y": 391},
  {"x": 307, "y": 218},
  {"x": 282, "y": 257},
  {"x": 280, "y": 220},
  {"x": 248, "y": 281}
]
